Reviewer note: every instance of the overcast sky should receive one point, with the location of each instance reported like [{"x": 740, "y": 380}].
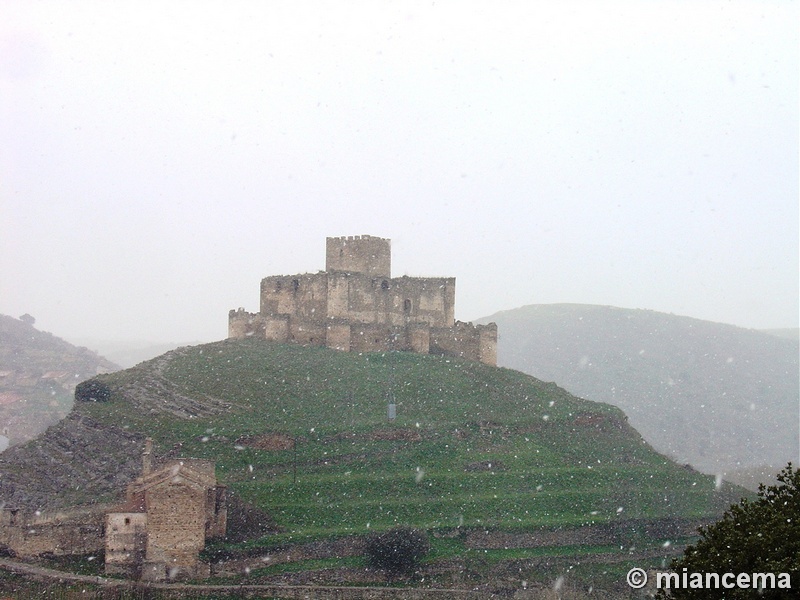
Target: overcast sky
[{"x": 159, "y": 158}]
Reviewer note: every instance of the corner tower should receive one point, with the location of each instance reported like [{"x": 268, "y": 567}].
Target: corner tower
[{"x": 359, "y": 254}]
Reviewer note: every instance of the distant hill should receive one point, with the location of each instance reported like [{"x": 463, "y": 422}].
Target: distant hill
[
  {"x": 38, "y": 375},
  {"x": 129, "y": 353},
  {"x": 790, "y": 333},
  {"x": 719, "y": 397}
]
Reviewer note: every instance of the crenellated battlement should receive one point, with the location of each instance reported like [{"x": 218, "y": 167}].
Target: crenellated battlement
[
  {"x": 350, "y": 238},
  {"x": 356, "y": 306}
]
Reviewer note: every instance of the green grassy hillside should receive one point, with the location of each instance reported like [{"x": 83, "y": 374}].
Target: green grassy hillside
[{"x": 303, "y": 433}]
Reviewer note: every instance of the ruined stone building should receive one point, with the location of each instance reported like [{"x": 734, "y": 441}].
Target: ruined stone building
[
  {"x": 28, "y": 533},
  {"x": 356, "y": 306},
  {"x": 156, "y": 534},
  {"x": 168, "y": 515}
]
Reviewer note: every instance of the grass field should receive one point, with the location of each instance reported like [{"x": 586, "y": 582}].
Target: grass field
[{"x": 472, "y": 446}]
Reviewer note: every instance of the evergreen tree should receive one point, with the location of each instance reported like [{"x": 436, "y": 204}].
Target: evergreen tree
[{"x": 760, "y": 536}]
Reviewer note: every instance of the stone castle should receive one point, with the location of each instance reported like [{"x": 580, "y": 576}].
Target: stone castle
[{"x": 356, "y": 306}]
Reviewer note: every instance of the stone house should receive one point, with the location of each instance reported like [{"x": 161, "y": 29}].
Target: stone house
[
  {"x": 158, "y": 533},
  {"x": 155, "y": 535}
]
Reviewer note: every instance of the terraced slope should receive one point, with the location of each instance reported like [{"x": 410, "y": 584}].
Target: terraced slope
[{"x": 303, "y": 433}]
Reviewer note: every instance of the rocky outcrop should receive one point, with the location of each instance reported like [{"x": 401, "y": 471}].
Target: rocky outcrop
[
  {"x": 75, "y": 462},
  {"x": 153, "y": 393},
  {"x": 80, "y": 460}
]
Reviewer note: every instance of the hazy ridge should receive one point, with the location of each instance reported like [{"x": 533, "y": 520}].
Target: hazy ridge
[
  {"x": 719, "y": 397},
  {"x": 129, "y": 353},
  {"x": 38, "y": 375}
]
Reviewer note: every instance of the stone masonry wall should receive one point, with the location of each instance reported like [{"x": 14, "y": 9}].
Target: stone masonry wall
[
  {"x": 396, "y": 302},
  {"x": 176, "y": 525},
  {"x": 76, "y": 531},
  {"x": 466, "y": 341},
  {"x": 303, "y": 296},
  {"x": 126, "y": 542},
  {"x": 217, "y": 511},
  {"x": 359, "y": 254},
  {"x": 242, "y": 324}
]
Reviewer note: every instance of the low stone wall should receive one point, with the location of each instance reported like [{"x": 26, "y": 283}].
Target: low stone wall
[
  {"x": 351, "y": 546},
  {"x": 309, "y": 592},
  {"x": 304, "y": 592},
  {"x": 67, "y": 532}
]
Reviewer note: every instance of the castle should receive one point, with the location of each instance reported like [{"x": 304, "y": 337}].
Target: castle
[{"x": 356, "y": 306}]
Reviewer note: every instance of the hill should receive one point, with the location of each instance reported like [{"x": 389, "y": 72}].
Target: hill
[
  {"x": 129, "y": 353},
  {"x": 303, "y": 434},
  {"x": 788, "y": 333},
  {"x": 719, "y": 397},
  {"x": 38, "y": 375}
]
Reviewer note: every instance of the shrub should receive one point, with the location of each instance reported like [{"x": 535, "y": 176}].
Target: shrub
[
  {"x": 92, "y": 390},
  {"x": 245, "y": 521},
  {"x": 397, "y": 551},
  {"x": 752, "y": 537}
]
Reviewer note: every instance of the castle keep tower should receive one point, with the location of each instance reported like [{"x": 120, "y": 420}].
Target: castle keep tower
[
  {"x": 360, "y": 254},
  {"x": 356, "y": 306}
]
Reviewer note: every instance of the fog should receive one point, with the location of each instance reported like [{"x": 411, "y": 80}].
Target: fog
[{"x": 159, "y": 159}]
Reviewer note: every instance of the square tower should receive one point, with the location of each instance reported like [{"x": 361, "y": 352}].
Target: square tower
[{"x": 359, "y": 254}]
